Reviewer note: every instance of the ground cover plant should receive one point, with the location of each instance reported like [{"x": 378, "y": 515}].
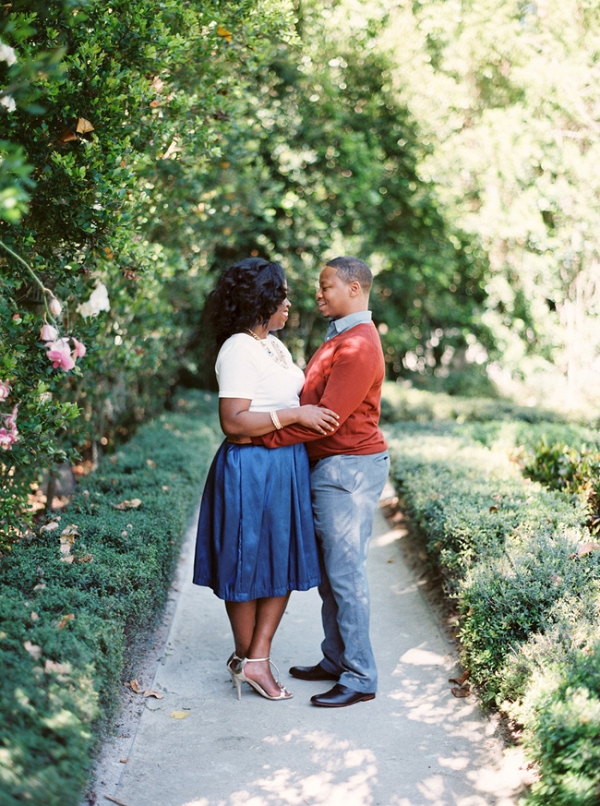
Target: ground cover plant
[
  {"x": 519, "y": 561},
  {"x": 77, "y": 596}
]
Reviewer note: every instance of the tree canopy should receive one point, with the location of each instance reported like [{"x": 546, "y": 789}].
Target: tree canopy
[
  {"x": 507, "y": 96},
  {"x": 145, "y": 145}
]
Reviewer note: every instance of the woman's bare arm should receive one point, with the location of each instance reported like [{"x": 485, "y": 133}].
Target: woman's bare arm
[{"x": 238, "y": 421}]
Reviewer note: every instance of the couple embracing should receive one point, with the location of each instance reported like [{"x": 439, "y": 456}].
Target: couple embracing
[{"x": 291, "y": 494}]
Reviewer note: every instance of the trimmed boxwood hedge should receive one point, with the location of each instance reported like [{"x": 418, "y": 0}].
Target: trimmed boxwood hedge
[
  {"x": 65, "y": 629},
  {"x": 512, "y": 556}
]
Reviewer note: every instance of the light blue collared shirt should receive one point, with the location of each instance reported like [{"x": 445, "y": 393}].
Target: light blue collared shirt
[{"x": 337, "y": 326}]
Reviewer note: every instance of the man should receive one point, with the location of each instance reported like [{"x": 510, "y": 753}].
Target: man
[{"x": 348, "y": 471}]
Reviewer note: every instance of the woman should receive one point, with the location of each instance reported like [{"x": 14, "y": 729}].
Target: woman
[{"x": 256, "y": 540}]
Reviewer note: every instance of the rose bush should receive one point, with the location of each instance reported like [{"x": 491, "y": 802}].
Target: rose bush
[{"x": 112, "y": 114}]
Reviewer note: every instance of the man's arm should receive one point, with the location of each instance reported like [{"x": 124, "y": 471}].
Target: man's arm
[
  {"x": 239, "y": 422},
  {"x": 352, "y": 374}
]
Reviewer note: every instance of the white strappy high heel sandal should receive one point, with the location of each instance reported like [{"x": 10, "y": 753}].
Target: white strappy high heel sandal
[
  {"x": 232, "y": 662},
  {"x": 240, "y": 677}
]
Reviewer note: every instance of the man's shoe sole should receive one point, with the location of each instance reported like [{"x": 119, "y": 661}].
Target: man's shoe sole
[{"x": 326, "y": 704}]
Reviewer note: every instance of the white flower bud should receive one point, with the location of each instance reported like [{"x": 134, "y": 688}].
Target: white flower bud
[
  {"x": 48, "y": 333},
  {"x": 7, "y": 54},
  {"x": 55, "y": 307},
  {"x": 8, "y": 102}
]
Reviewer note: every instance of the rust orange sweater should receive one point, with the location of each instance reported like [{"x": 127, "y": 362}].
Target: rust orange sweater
[{"x": 345, "y": 374}]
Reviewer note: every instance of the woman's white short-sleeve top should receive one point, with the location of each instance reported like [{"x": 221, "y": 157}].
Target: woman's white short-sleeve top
[{"x": 245, "y": 369}]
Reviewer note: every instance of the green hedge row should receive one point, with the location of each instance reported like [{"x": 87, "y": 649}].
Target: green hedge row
[
  {"x": 528, "y": 597},
  {"x": 66, "y": 625},
  {"x": 400, "y": 403}
]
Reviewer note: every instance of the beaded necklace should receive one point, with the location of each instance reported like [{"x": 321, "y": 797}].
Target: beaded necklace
[{"x": 272, "y": 348}]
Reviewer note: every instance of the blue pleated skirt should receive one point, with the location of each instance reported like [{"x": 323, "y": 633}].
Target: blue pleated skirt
[{"x": 256, "y": 536}]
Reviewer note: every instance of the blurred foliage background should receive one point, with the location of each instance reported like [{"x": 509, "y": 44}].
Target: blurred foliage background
[
  {"x": 454, "y": 146},
  {"x": 145, "y": 145}
]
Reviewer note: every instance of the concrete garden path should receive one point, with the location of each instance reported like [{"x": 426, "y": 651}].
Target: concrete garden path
[{"x": 415, "y": 745}]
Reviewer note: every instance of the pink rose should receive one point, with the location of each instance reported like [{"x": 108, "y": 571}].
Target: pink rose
[
  {"x": 62, "y": 345},
  {"x": 10, "y": 420},
  {"x": 80, "y": 349},
  {"x": 4, "y": 390},
  {"x": 48, "y": 333},
  {"x": 60, "y": 354},
  {"x": 7, "y": 440}
]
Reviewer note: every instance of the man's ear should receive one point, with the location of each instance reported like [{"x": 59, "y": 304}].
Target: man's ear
[{"x": 354, "y": 288}]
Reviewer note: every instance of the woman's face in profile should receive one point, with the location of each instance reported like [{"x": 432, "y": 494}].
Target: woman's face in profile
[{"x": 279, "y": 318}]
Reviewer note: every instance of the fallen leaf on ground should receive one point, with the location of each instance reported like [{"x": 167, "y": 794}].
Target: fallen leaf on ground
[
  {"x": 87, "y": 558},
  {"x": 65, "y": 620},
  {"x": 134, "y": 686},
  {"x": 179, "y": 714},
  {"x": 83, "y": 126},
  {"x": 460, "y": 692},
  {"x": 83, "y": 468},
  {"x": 150, "y": 463},
  {"x": 585, "y": 548},
  {"x": 116, "y": 800},
  {"x": 33, "y": 649},
  {"x": 67, "y": 538},
  {"x": 460, "y": 680},
  {"x": 54, "y": 666},
  {"x": 150, "y": 693},
  {"x": 49, "y": 527},
  {"x": 133, "y": 504},
  {"x": 222, "y": 31},
  {"x": 66, "y": 137}
]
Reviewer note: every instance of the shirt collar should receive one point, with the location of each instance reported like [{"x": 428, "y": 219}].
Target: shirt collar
[{"x": 337, "y": 326}]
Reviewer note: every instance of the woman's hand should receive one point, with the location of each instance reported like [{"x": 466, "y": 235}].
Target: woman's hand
[
  {"x": 318, "y": 419},
  {"x": 239, "y": 424}
]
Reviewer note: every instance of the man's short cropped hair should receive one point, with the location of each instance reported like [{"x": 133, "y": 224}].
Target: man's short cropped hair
[{"x": 351, "y": 269}]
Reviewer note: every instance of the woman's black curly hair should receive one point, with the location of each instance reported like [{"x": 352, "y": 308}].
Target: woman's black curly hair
[{"x": 246, "y": 294}]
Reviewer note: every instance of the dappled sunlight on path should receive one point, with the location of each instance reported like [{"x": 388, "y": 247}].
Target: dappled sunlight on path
[
  {"x": 345, "y": 774},
  {"x": 414, "y": 745}
]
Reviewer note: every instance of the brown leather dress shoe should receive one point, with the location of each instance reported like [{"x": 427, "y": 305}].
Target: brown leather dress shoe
[
  {"x": 312, "y": 673},
  {"x": 340, "y": 696}
]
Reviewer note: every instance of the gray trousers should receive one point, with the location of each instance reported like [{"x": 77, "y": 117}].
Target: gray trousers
[{"x": 345, "y": 494}]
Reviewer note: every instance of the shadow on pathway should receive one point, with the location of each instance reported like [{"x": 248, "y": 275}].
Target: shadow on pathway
[{"x": 415, "y": 745}]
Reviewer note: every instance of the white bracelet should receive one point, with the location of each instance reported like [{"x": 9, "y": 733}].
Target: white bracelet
[{"x": 275, "y": 420}]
